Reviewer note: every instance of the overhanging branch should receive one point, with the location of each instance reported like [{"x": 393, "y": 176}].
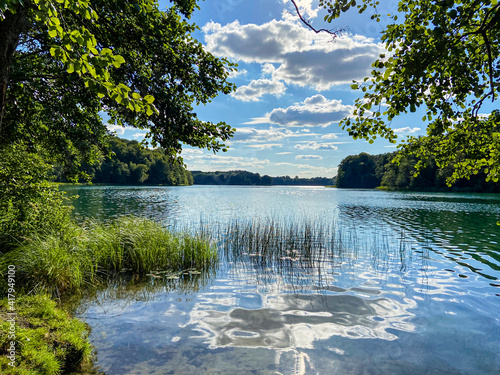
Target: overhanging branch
[{"x": 333, "y": 33}]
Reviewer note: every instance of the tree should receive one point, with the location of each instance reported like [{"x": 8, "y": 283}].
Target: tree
[
  {"x": 358, "y": 171},
  {"x": 64, "y": 62},
  {"x": 442, "y": 56}
]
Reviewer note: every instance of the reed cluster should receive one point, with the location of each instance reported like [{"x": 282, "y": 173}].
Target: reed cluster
[
  {"x": 80, "y": 256},
  {"x": 304, "y": 242}
]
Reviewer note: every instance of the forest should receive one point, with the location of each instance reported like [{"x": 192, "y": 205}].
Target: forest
[
  {"x": 249, "y": 178},
  {"x": 133, "y": 164},
  {"x": 367, "y": 171}
]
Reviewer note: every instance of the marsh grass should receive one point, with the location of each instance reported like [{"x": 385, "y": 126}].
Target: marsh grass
[
  {"x": 57, "y": 263},
  {"x": 298, "y": 248},
  {"x": 304, "y": 242}
]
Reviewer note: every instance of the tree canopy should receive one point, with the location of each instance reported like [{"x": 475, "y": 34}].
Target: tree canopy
[
  {"x": 365, "y": 171},
  {"x": 65, "y": 62},
  {"x": 134, "y": 165},
  {"x": 443, "y": 56}
]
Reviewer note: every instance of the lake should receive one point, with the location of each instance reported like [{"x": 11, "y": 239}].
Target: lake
[{"x": 395, "y": 283}]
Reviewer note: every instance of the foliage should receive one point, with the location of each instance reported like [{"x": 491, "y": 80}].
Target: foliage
[
  {"x": 29, "y": 205},
  {"x": 370, "y": 171},
  {"x": 359, "y": 171},
  {"x": 62, "y": 262},
  {"x": 249, "y": 178},
  {"x": 48, "y": 341},
  {"x": 133, "y": 164},
  {"x": 72, "y": 60},
  {"x": 442, "y": 56}
]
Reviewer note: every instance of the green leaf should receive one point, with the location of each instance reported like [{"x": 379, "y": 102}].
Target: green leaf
[{"x": 149, "y": 98}]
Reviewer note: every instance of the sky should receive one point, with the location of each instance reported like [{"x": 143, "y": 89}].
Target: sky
[{"x": 293, "y": 87}]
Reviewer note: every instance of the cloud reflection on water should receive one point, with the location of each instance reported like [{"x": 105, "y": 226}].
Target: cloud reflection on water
[{"x": 293, "y": 321}]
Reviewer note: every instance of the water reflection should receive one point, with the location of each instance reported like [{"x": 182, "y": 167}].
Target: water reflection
[
  {"x": 297, "y": 321},
  {"x": 380, "y": 283}
]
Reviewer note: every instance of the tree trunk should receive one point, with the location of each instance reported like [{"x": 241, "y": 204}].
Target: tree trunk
[{"x": 11, "y": 28}]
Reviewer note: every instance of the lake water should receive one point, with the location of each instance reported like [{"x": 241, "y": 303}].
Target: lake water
[{"x": 410, "y": 285}]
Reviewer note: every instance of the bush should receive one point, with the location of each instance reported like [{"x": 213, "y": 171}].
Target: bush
[{"x": 29, "y": 204}]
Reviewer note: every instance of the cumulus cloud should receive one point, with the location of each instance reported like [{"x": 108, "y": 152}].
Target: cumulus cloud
[
  {"x": 257, "y": 88},
  {"x": 313, "y": 111},
  {"x": 210, "y": 162},
  {"x": 305, "y": 8},
  {"x": 118, "y": 129},
  {"x": 265, "y": 135},
  {"x": 406, "y": 130},
  {"x": 309, "y": 157},
  {"x": 239, "y": 72},
  {"x": 268, "y": 69},
  {"x": 203, "y": 160},
  {"x": 303, "y": 57},
  {"x": 329, "y": 136},
  {"x": 306, "y": 169},
  {"x": 139, "y": 135},
  {"x": 265, "y": 146},
  {"x": 316, "y": 146}
]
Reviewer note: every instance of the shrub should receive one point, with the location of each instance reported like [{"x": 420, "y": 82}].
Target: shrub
[{"x": 29, "y": 204}]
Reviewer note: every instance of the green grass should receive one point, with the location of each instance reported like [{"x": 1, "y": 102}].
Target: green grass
[
  {"x": 59, "y": 263},
  {"x": 302, "y": 241},
  {"x": 48, "y": 341}
]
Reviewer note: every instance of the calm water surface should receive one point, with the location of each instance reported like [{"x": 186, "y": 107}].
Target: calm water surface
[{"x": 412, "y": 286}]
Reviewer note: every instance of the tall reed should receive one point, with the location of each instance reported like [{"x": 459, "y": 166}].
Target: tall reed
[{"x": 80, "y": 256}]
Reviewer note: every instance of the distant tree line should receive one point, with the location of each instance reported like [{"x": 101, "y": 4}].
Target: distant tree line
[
  {"x": 371, "y": 171},
  {"x": 249, "y": 178},
  {"x": 133, "y": 164}
]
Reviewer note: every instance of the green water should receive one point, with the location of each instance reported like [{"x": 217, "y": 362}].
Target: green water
[{"x": 410, "y": 286}]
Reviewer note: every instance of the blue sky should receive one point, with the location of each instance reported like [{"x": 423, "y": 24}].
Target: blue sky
[{"x": 293, "y": 87}]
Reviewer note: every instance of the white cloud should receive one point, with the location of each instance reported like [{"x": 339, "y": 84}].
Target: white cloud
[
  {"x": 211, "y": 162},
  {"x": 265, "y": 146},
  {"x": 257, "y": 88},
  {"x": 118, "y": 129},
  {"x": 283, "y": 153},
  {"x": 329, "y": 136},
  {"x": 316, "y": 146},
  {"x": 306, "y": 170},
  {"x": 192, "y": 153},
  {"x": 239, "y": 72},
  {"x": 268, "y": 69},
  {"x": 139, "y": 135},
  {"x": 305, "y": 8},
  {"x": 406, "y": 130},
  {"x": 265, "y": 135},
  {"x": 309, "y": 157},
  {"x": 313, "y": 111},
  {"x": 304, "y": 58},
  {"x": 203, "y": 160}
]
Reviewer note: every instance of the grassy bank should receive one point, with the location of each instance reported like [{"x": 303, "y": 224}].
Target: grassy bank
[
  {"x": 67, "y": 262},
  {"x": 46, "y": 339}
]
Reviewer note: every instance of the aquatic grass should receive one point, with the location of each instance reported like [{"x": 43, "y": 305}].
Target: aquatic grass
[
  {"x": 57, "y": 263},
  {"x": 303, "y": 244}
]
